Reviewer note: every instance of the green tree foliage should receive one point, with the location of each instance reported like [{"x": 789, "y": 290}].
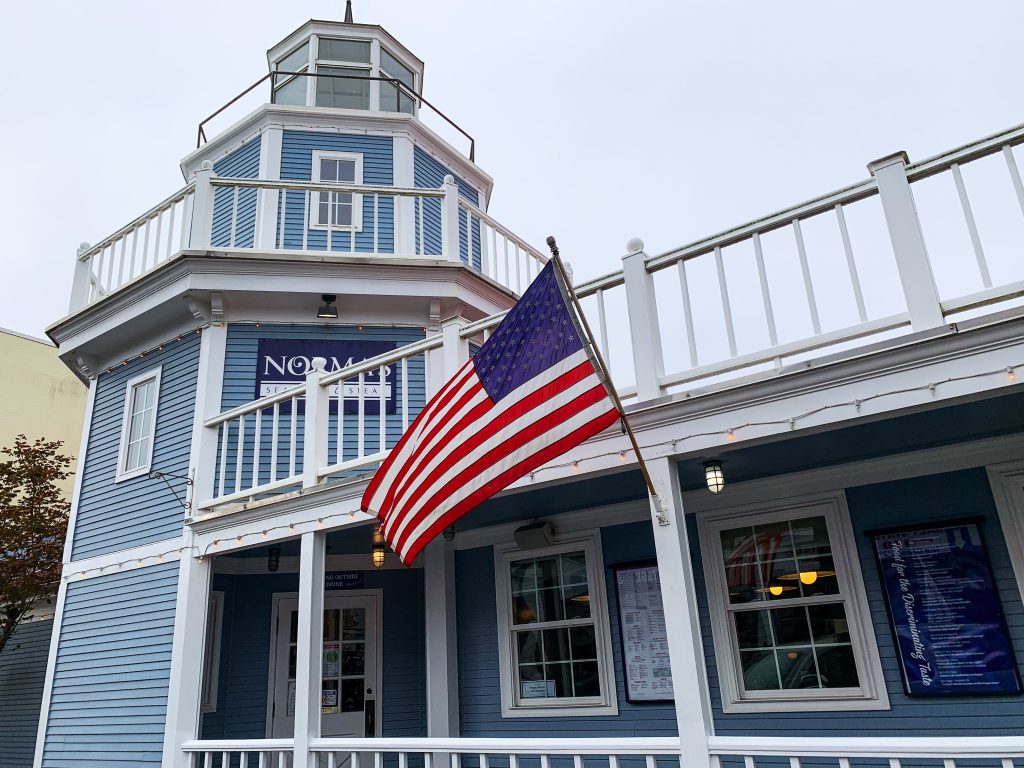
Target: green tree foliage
[{"x": 33, "y": 523}]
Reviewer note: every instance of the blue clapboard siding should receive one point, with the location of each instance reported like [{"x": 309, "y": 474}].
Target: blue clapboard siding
[
  {"x": 243, "y": 163},
  {"x": 430, "y": 173},
  {"x": 114, "y": 516},
  {"x": 917, "y": 500},
  {"x": 479, "y": 676},
  {"x": 297, "y": 149},
  {"x": 22, "y": 675},
  {"x": 109, "y": 701},
  {"x": 245, "y": 653},
  {"x": 240, "y": 388}
]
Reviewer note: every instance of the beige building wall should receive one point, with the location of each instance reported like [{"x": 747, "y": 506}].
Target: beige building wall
[{"x": 39, "y": 396}]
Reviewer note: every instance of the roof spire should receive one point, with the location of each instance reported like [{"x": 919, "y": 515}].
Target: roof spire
[{"x": 348, "y": 12}]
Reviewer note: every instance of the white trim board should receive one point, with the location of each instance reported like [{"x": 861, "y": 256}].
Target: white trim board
[
  {"x": 165, "y": 550},
  {"x": 1007, "y": 483}
]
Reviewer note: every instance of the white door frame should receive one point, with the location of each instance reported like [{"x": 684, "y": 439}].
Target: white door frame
[{"x": 378, "y": 598}]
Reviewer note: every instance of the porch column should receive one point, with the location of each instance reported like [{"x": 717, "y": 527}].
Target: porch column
[
  {"x": 682, "y": 622},
  {"x": 442, "y": 650},
  {"x": 309, "y": 647}
]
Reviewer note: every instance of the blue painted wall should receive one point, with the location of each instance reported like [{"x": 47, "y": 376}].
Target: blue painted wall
[
  {"x": 109, "y": 699},
  {"x": 243, "y": 163},
  {"x": 297, "y": 149},
  {"x": 479, "y": 687},
  {"x": 22, "y": 675},
  {"x": 430, "y": 173},
  {"x": 917, "y": 500},
  {"x": 240, "y": 388},
  {"x": 115, "y": 516}
]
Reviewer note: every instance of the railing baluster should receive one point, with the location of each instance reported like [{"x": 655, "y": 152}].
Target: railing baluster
[
  {"x": 613, "y": 761},
  {"x": 428, "y": 760},
  {"x": 405, "y": 394},
  {"x": 422, "y": 244},
  {"x": 232, "y": 238},
  {"x": 519, "y": 276},
  {"x": 513, "y": 761},
  {"x": 354, "y": 760},
  {"x": 110, "y": 264},
  {"x": 748, "y": 761},
  {"x": 361, "y": 421},
  {"x": 844, "y": 762},
  {"x": 684, "y": 291},
  {"x": 378, "y": 760},
  {"x": 156, "y": 238},
  {"x": 145, "y": 247},
  {"x": 224, "y": 429},
  {"x": 308, "y": 217},
  {"x": 894, "y": 762},
  {"x": 716, "y": 761},
  {"x": 263, "y": 760},
  {"x": 292, "y": 437},
  {"x": 170, "y": 228},
  {"x": 949, "y": 763},
  {"x": 243, "y": 760},
  {"x": 403, "y": 760},
  {"x": 723, "y": 289},
  {"x": 352, "y": 227},
  {"x": 120, "y": 264},
  {"x": 1006, "y": 762},
  {"x": 469, "y": 242},
  {"x": 972, "y": 228},
  {"x": 484, "y": 760},
  {"x": 812, "y": 305},
  {"x": 376, "y": 203},
  {"x": 1011, "y": 166},
  {"x": 331, "y": 760},
  {"x": 382, "y": 416},
  {"x": 545, "y": 761},
  {"x": 577, "y": 761},
  {"x": 282, "y": 760},
  {"x": 239, "y": 452},
  {"x": 330, "y": 231},
  {"x": 851, "y": 263},
  {"x": 794, "y": 762},
  {"x": 186, "y": 219},
  {"x": 339, "y": 436},
  {"x": 766, "y": 296},
  {"x": 256, "y": 449},
  {"x": 602, "y": 323},
  {"x": 282, "y": 219},
  {"x": 208, "y": 760},
  {"x": 274, "y": 433}
]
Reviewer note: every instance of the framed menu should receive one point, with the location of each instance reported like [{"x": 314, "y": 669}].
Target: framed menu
[{"x": 642, "y": 628}]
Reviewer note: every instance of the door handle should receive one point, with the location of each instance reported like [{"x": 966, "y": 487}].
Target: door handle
[{"x": 369, "y": 717}]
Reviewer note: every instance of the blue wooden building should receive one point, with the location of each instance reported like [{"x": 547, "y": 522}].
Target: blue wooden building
[{"x": 827, "y": 398}]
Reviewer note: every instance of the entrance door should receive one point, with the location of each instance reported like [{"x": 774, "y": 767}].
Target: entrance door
[{"x": 350, "y": 691}]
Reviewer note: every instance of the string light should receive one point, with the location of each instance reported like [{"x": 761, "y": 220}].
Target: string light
[
  {"x": 1010, "y": 373},
  {"x": 158, "y": 348}
]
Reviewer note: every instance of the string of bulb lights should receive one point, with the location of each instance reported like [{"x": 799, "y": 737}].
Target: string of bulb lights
[{"x": 729, "y": 433}]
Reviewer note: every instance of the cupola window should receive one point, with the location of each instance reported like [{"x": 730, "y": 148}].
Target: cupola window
[
  {"x": 392, "y": 97},
  {"x": 291, "y": 89},
  {"x": 349, "y": 60}
]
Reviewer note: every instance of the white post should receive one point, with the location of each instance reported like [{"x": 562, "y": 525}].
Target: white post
[
  {"x": 450, "y": 220},
  {"x": 907, "y": 241},
  {"x": 314, "y": 438},
  {"x": 202, "y": 209},
  {"x": 203, "y": 459},
  {"x": 309, "y": 648},
  {"x": 643, "y": 321},
  {"x": 267, "y": 199},
  {"x": 443, "y": 363},
  {"x": 403, "y": 153},
  {"x": 682, "y": 622},
  {"x": 80, "y": 283},
  {"x": 442, "y": 650}
]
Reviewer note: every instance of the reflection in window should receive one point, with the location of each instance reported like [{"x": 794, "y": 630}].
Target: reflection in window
[{"x": 392, "y": 97}]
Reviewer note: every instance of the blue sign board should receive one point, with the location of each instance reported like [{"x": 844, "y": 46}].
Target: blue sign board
[
  {"x": 283, "y": 363},
  {"x": 343, "y": 580},
  {"x": 945, "y": 611}
]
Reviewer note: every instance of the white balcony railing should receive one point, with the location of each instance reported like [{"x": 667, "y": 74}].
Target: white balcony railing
[{"x": 302, "y": 217}]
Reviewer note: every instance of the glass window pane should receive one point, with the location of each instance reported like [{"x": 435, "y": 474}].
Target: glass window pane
[
  {"x": 781, "y": 580},
  {"x": 586, "y": 679},
  {"x": 828, "y": 624},
  {"x": 561, "y": 674},
  {"x": 292, "y": 660},
  {"x": 744, "y": 584},
  {"x": 293, "y": 633},
  {"x": 574, "y": 568},
  {"x": 292, "y": 92},
  {"x": 328, "y": 697},
  {"x": 759, "y": 671},
  {"x": 738, "y": 547},
  {"x": 332, "y": 621},
  {"x": 556, "y": 645},
  {"x": 753, "y": 629},
  {"x": 810, "y": 536},
  {"x": 353, "y": 624},
  {"x": 294, "y": 61},
  {"x": 328, "y": 169},
  {"x": 818, "y": 576},
  {"x": 345, "y": 50},
  {"x": 577, "y": 602},
  {"x": 773, "y": 541},
  {"x": 353, "y": 658},
  {"x": 352, "y": 695},
  {"x": 837, "y": 666},
  {"x": 392, "y": 67},
  {"x": 584, "y": 643},
  {"x": 790, "y": 626},
  {"x": 547, "y": 572},
  {"x": 530, "y": 648},
  {"x": 798, "y": 668},
  {"x": 346, "y": 173},
  {"x": 133, "y": 460},
  {"x": 524, "y": 608},
  {"x": 349, "y": 92},
  {"x": 551, "y": 606}
]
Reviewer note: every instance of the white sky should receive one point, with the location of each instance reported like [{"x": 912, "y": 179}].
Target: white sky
[{"x": 599, "y": 121}]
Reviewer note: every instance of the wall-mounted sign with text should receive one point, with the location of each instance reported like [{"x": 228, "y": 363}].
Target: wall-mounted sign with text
[{"x": 283, "y": 363}]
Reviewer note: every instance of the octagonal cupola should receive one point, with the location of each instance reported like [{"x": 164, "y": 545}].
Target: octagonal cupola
[{"x": 344, "y": 65}]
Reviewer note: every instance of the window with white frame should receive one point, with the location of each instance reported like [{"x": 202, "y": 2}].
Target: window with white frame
[
  {"x": 790, "y": 619},
  {"x": 138, "y": 425},
  {"x": 290, "y": 85},
  {"x": 348, "y": 66},
  {"x": 554, "y": 643},
  {"x": 394, "y": 98},
  {"x": 337, "y": 210}
]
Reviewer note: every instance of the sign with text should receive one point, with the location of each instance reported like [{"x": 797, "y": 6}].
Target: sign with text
[
  {"x": 945, "y": 611},
  {"x": 644, "y": 637},
  {"x": 342, "y": 580},
  {"x": 283, "y": 363}
]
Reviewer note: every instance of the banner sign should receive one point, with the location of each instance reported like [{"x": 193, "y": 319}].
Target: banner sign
[
  {"x": 644, "y": 637},
  {"x": 945, "y": 611},
  {"x": 283, "y": 363}
]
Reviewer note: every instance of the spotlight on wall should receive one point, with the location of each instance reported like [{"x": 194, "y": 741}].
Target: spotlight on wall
[
  {"x": 449, "y": 533},
  {"x": 273, "y": 558},
  {"x": 328, "y": 309},
  {"x": 377, "y": 550},
  {"x": 714, "y": 476}
]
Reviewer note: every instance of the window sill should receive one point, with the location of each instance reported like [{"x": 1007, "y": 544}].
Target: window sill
[
  {"x": 568, "y": 710},
  {"x": 805, "y": 705},
  {"x": 120, "y": 477}
]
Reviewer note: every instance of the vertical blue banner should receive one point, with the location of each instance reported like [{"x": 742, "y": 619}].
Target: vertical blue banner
[{"x": 945, "y": 611}]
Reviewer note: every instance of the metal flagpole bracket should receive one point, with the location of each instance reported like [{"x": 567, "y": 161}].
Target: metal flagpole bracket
[{"x": 155, "y": 475}]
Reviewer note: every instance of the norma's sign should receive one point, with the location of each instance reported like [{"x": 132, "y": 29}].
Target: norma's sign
[{"x": 283, "y": 363}]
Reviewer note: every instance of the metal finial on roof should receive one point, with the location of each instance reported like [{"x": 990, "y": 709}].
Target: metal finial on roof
[{"x": 348, "y": 12}]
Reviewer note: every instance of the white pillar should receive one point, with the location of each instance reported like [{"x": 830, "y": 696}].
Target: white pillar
[
  {"x": 644, "y": 330},
  {"x": 314, "y": 436},
  {"x": 403, "y": 175},
  {"x": 267, "y": 199},
  {"x": 442, "y": 649},
  {"x": 907, "y": 241},
  {"x": 203, "y": 454},
  {"x": 80, "y": 282},
  {"x": 682, "y": 622},
  {"x": 202, "y": 209},
  {"x": 443, "y": 363},
  {"x": 309, "y": 648},
  {"x": 450, "y": 220}
]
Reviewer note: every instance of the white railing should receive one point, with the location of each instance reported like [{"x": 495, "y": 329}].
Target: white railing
[
  {"x": 118, "y": 259},
  {"x": 503, "y": 256},
  {"x": 237, "y": 753},
  {"x": 855, "y": 752}
]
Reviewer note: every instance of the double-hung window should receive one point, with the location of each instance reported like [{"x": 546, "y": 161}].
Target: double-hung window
[
  {"x": 790, "y": 620},
  {"x": 337, "y": 210},
  {"x": 554, "y": 645},
  {"x": 138, "y": 425},
  {"x": 346, "y": 64},
  {"x": 290, "y": 85}
]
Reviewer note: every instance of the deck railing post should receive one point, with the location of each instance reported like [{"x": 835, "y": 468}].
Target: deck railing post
[
  {"x": 202, "y": 208},
  {"x": 309, "y": 647},
  {"x": 442, "y": 658},
  {"x": 644, "y": 329},
  {"x": 80, "y": 283},
  {"x": 907, "y": 241},
  {"x": 314, "y": 437},
  {"x": 450, "y": 220},
  {"x": 443, "y": 363}
]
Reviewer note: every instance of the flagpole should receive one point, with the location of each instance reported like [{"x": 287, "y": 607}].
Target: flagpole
[{"x": 606, "y": 376}]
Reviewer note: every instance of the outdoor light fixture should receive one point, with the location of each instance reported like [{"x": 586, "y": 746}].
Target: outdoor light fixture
[
  {"x": 714, "y": 476},
  {"x": 328, "y": 309},
  {"x": 377, "y": 551},
  {"x": 273, "y": 558},
  {"x": 449, "y": 533}
]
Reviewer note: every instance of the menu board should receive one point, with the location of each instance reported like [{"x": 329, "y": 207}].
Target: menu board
[
  {"x": 945, "y": 611},
  {"x": 644, "y": 639}
]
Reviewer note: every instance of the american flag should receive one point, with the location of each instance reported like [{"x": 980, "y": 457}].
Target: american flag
[{"x": 530, "y": 394}]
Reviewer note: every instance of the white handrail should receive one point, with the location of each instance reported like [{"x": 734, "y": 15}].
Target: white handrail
[{"x": 938, "y": 747}]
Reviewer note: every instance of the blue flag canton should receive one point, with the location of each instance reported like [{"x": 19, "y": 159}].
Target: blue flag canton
[{"x": 537, "y": 333}]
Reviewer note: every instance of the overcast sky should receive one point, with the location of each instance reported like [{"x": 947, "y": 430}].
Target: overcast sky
[{"x": 599, "y": 121}]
